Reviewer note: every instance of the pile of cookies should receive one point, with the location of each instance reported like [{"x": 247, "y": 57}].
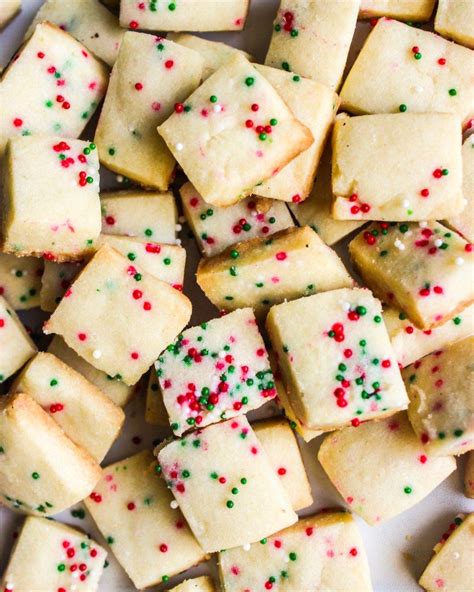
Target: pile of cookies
[{"x": 271, "y": 166}]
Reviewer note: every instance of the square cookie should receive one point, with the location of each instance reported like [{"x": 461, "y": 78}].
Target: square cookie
[
  {"x": 87, "y": 416},
  {"x": 417, "y": 177},
  {"x": 16, "y": 346},
  {"x": 320, "y": 552},
  {"x": 135, "y": 514},
  {"x": 51, "y": 204},
  {"x": 8, "y": 11},
  {"x": 215, "y": 371},
  {"x": 118, "y": 318},
  {"x": 403, "y": 68},
  {"x": 419, "y": 268},
  {"x": 265, "y": 271},
  {"x": 201, "y": 584},
  {"x": 49, "y": 555},
  {"x": 226, "y": 465},
  {"x": 235, "y": 107},
  {"x": 358, "y": 378},
  {"x": 454, "y": 20},
  {"x": 150, "y": 76},
  {"x": 403, "y": 10},
  {"x": 155, "y": 410},
  {"x": 66, "y": 83},
  {"x": 41, "y": 471},
  {"x": 56, "y": 280},
  {"x": 440, "y": 387},
  {"x": 313, "y": 38},
  {"x": 381, "y": 469},
  {"x": 464, "y": 223},
  {"x": 20, "y": 280}
]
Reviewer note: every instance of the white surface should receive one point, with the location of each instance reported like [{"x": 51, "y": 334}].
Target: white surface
[{"x": 399, "y": 550}]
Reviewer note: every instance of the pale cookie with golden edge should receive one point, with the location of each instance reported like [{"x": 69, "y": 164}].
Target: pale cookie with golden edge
[
  {"x": 135, "y": 513},
  {"x": 20, "y": 280},
  {"x": 155, "y": 410},
  {"x": 313, "y": 104},
  {"x": 235, "y": 107},
  {"x": 150, "y": 76},
  {"x": 86, "y": 415},
  {"x": 215, "y": 371},
  {"x": 450, "y": 569},
  {"x": 51, "y": 204},
  {"x": 454, "y": 20},
  {"x": 117, "y": 317},
  {"x": 320, "y": 552},
  {"x": 49, "y": 555},
  {"x": 357, "y": 379},
  {"x": 469, "y": 475},
  {"x": 184, "y": 15},
  {"x": 148, "y": 216},
  {"x": 117, "y": 391},
  {"x": 403, "y": 68},
  {"x": 86, "y": 20},
  {"x": 42, "y": 471},
  {"x": 55, "y": 281},
  {"x": 16, "y": 346},
  {"x": 417, "y": 177},
  {"x": 464, "y": 223},
  {"x": 217, "y": 228},
  {"x": 313, "y": 38},
  {"x": 403, "y": 10},
  {"x": 201, "y": 584},
  {"x": 381, "y": 468},
  {"x": 66, "y": 83},
  {"x": 281, "y": 446},
  {"x": 8, "y": 11},
  {"x": 410, "y": 343},
  {"x": 226, "y": 465},
  {"x": 418, "y": 268},
  {"x": 441, "y": 410},
  {"x": 264, "y": 271}
]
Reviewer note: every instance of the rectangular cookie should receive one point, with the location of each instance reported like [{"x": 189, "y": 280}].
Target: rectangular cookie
[
  {"x": 454, "y": 20},
  {"x": 403, "y": 10},
  {"x": 464, "y": 223},
  {"x": 55, "y": 281},
  {"x": 20, "y": 280}
]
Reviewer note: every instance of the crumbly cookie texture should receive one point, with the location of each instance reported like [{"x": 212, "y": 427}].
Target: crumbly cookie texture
[
  {"x": 469, "y": 475},
  {"x": 454, "y": 21},
  {"x": 403, "y": 68},
  {"x": 86, "y": 415},
  {"x": 20, "y": 280},
  {"x": 42, "y": 472},
  {"x": 403, "y": 10},
  {"x": 149, "y": 77},
  {"x": 215, "y": 371},
  {"x": 92, "y": 319},
  {"x": 320, "y": 552},
  {"x": 357, "y": 379},
  {"x": 132, "y": 498},
  {"x": 8, "y": 11},
  {"x": 51, "y": 204},
  {"x": 155, "y": 410},
  {"x": 264, "y": 271},
  {"x": 49, "y": 555},
  {"x": 226, "y": 465},
  {"x": 430, "y": 186},
  {"x": 464, "y": 223},
  {"x": 397, "y": 471},
  {"x": 201, "y": 584},
  {"x": 66, "y": 84},
  {"x": 233, "y": 132},
  {"x": 419, "y": 268},
  {"x": 441, "y": 409}
]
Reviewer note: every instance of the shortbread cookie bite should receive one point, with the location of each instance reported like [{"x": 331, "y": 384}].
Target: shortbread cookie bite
[
  {"x": 430, "y": 187},
  {"x": 450, "y": 568},
  {"x": 357, "y": 379},
  {"x": 41, "y": 471},
  {"x": 321, "y": 552},
  {"x": 155, "y": 410},
  {"x": 143, "y": 315},
  {"x": 51, "y": 199},
  {"x": 396, "y": 472},
  {"x": 86, "y": 20},
  {"x": 469, "y": 475},
  {"x": 66, "y": 83},
  {"x": 8, "y": 11},
  {"x": 403, "y": 10},
  {"x": 184, "y": 15},
  {"x": 49, "y": 555},
  {"x": 261, "y": 272},
  {"x": 301, "y": 32},
  {"x": 464, "y": 223},
  {"x": 20, "y": 280},
  {"x": 16, "y": 347},
  {"x": 216, "y": 228},
  {"x": 454, "y": 21},
  {"x": 419, "y": 268},
  {"x": 87, "y": 416},
  {"x": 151, "y": 76},
  {"x": 201, "y": 584},
  {"x": 281, "y": 446},
  {"x": 215, "y": 371},
  {"x": 55, "y": 281},
  {"x": 440, "y": 388},
  {"x": 136, "y": 515},
  {"x": 148, "y": 216},
  {"x": 234, "y": 108},
  {"x": 403, "y": 68},
  {"x": 226, "y": 465}
]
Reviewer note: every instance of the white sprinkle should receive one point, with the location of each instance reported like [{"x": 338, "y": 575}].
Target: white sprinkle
[
  {"x": 178, "y": 241},
  {"x": 75, "y": 574},
  {"x": 399, "y": 245},
  {"x": 423, "y": 224},
  {"x": 456, "y": 555},
  {"x": 13, "y": 271},
  {"x": 97, "y": 354},
  {"x": 438, "y": 242},
  {"x": 179, "y": 146},
  {"x": 222, "y": 354},
  {"x": 217, "y": 108},
  {"x": 459, "y": 261},
  {"x": 409, "y": 233},
  {"x": 406, "y": 203},
  {"x": 246, "y": 547},
  {"x": 174, "y": 505},
  {"x": 119, "y": 178},
  {"x": 178, "y": 227},
  {"x": 346, "y": 306}
]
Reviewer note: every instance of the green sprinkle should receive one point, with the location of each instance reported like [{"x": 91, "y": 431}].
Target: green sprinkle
[
  {"x": 61, "y": 567},
  {"x": 53, "y": 382},
  {"x": 243, "y": 481},
  {"x": 273, "y": 121},
  {"x": 262, "y": 136},
  {"x": 249, "y": 81},
  {"x": 296, "y": 78},
  {"x": 362, "y": 342},
  {"x": 453, "y": 92},
  {"x": 234, "y": 254},
  {"x": 457, "y": 320},
  {"x": 131, "y": 256},
  {"x": 229, "y": 504},
  {"x": 213, "y": 99},
  {"x": 377, "y": 319},
  {"x": 417, "y": 56},
  {"x": 277, "y": 28},
  {"x": 402, "y": 108},
  {"x": 49, "y": 103},
  {"x": 458, "y": 433},
  {"x": 445, "y": 172},
  {"x": 285, "y": 66},
  {"x": 111, "y": 151},
  {"x": 235, "y": 491},
  {"x": 408, "y": 490},
  {"x": 166, "y": 260},
  {"x": 35, "y": 475},
  {"x": 263, "y": 541},
  {"x": 403, "y": 228},
  {"x": 441, "y": 435},
  {"x": 172, "y": 6},
  {"x": 294, "y": 33},
  {"x": 292, "y": 556},
  {"x": 233, "y": 271},
  {"x": 185, "y": 474},
  {"x": 148, "y": 231},
  {"x": 165, "y": 578}
]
